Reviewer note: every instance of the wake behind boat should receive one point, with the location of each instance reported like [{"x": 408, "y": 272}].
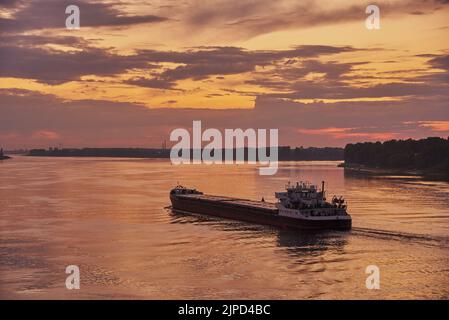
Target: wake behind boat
[{"x": 300, "y": 206}]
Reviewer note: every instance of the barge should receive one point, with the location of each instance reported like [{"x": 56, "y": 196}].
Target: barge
[{"x": 300, "y": 206}]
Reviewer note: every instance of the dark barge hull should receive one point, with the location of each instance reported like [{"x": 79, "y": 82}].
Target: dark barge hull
[{"x": 250, "y": 211}]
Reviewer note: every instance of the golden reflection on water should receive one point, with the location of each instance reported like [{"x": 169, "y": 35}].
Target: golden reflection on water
[{"x": 109, "y": 217}]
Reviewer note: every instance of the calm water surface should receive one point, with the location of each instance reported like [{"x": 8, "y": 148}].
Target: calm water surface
[{"x": 110, "y": 217}]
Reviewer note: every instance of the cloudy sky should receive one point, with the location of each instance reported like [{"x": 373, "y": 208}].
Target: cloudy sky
[{"x": 137, "y": 69}]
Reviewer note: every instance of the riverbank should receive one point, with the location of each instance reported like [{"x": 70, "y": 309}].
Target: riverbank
[
  {"x": 4, "y": 157},
  {"x": 284, "y": 153},
  {"x": 363, "y": 169}
]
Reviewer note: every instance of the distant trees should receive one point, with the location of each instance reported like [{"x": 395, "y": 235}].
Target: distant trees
[
  {"x": 425, "y": 154},
  {"x": 285, "y": 153},
  {"x": 304, "y": 154}
]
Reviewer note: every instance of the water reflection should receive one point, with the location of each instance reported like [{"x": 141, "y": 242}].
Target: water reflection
[
  {"x": 219, "y": 223},
  {"x": 296, "y": 242},
  {"x": 305, "y": 243},
  {"x": 353, "y": 174}
]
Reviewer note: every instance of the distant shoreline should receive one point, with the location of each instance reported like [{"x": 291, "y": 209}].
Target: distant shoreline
[{"x": 284, "y": 153}]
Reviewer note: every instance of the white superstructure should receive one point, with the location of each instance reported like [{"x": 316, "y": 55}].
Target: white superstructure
[{"x": 303, "y": 201}]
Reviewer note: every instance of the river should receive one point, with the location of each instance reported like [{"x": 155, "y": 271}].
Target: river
[{"x": 110, "y": 217}]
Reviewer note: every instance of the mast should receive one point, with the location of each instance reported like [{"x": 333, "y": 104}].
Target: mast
[{"x": 322, "y": 189}]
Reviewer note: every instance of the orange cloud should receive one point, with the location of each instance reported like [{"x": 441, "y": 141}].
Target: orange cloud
[
  {"x": 435, "y": 125},
  {"x": 342, "y": 133},
  {"x": 46, "y": 134}
]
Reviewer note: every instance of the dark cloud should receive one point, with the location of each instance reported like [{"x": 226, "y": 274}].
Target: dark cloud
[
  {"x": 248, "y": 18},
  {"x": 45, "y": 14},
  {"x": 55, "y": 67},
  {"x": 36, "y": 41},
  {"x": 236, "y": 54},
  {"x": 293, "y": 71},
  {"x": 202, "y": 63},
  {"x": 337, "y": 90},
  {"x": 154, "y": 83},
  {"x": 10, "y": 3},
  {"x": 440, "y": 62}
]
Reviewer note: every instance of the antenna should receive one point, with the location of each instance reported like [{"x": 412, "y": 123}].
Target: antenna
[{"x": 322, "y": 188}]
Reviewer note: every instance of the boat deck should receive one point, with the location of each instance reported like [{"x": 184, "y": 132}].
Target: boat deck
[{"x": 232, "y": 201}]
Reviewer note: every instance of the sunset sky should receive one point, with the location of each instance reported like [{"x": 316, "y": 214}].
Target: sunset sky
[{"x": 137, "y": 69}]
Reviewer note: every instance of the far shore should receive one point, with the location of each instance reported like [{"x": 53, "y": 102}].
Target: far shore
[
  {"x": 285, "y": 153},
  {"x": 357, "y": 168}
]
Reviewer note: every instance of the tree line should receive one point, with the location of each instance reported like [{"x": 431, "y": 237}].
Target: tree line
[{"x": 425, "y": 154}]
